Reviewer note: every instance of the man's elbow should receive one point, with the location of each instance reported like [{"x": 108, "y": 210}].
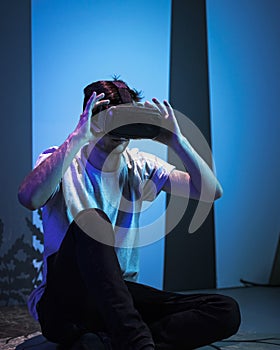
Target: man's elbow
[
  {"x": 219, "y": 192},
  {"x": 26, "y": 200}
]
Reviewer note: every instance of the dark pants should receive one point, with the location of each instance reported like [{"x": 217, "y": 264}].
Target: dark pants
[{"x": 86, "y": 293}]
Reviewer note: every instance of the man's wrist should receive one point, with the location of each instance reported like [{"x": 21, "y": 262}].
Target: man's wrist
[
  {"x": 75, "y": 141},
  {"x": 177, "y": 141}
]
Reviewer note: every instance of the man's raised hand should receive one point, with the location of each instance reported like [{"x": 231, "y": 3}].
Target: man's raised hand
[{"x": 84, "y": 131}]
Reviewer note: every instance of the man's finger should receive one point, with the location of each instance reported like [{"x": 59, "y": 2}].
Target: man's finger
[
  {"x": 168, "y": 107},
  {"x": 159, "y": 106},
  {"x": 102, "y": 102},
  {"x": 100, "y": 96},
  {"x": 148, "y": 104},
  {"x": 90, "y": 102}
]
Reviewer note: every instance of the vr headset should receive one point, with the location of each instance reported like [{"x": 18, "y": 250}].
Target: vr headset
[
  {"x": 127, "y": 120},
  {"x": 130, "y": 121}
]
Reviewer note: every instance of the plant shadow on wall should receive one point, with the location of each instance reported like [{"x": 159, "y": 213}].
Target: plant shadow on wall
[{"x": 20, "y": 267}]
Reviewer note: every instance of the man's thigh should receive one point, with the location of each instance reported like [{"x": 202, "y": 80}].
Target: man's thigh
[{"x": 154, "y": 304}]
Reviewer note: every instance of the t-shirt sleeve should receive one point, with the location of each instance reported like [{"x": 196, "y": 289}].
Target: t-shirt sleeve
[
  {"x": 154, "y": 173},
  {"x": 44, "y": 155}
]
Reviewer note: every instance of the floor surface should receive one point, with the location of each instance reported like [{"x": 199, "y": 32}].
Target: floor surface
[
  {"x": 260, "y": 319},
  {"x": 259, "y": 330}
]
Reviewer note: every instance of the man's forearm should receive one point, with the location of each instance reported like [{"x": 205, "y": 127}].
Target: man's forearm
[
  {"x": 201, "y": 176},
  {"x": 39, "y": 185}
]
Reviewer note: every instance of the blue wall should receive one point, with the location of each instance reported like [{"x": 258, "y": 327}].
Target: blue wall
[
  {"x": 244, "y": 56},
  {"x": 77, "y": 42}
]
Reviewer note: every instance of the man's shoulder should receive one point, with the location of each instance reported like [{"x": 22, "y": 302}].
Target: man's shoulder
[{"x": 51, "y": 149}]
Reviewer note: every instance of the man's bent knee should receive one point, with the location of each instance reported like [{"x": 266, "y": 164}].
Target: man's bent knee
[
  {"x": 96, "y": 224},
  {"x": 232, "y": 319}
]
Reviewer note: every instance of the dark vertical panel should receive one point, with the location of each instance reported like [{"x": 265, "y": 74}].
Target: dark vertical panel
[
  {"x": 274, "y": 279},
  {"x": 190, "y": 259},
  {"x": 16, "y": 125},
  {"x": 16, "y": 122}
]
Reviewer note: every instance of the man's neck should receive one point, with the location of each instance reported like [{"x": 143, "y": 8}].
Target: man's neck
[{"x": 102, "y": 161}]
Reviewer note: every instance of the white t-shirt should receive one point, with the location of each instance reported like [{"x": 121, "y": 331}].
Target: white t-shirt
[{"x": 119, "y": 194}]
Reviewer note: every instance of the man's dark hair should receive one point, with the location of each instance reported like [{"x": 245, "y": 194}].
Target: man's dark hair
[{"x": 117, "y": 91}]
